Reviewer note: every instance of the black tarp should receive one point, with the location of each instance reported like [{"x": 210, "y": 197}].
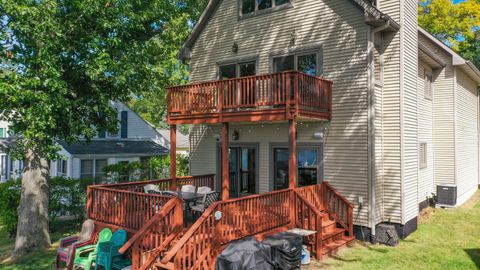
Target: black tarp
[
  {"x": 286, "y": 250},
  {"x": 245, "y": 254}
]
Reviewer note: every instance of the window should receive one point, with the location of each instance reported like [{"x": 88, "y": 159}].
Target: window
[
  {"x": 86, "y": 169},
  {"x": 62, "y": 167},
  {"x": 92, "y": 168},
  {"x": 237, "y": 70},
  {"x": 423, "y": 155},
  {"x": 3, "y": 132},
  {"x": 3, "y": 167},
  {"x": 124, "y": 124},
  {"x": 307, "y": 63},
  {"x": 428, "y": 85},
  {"x": 253, "y": 6},
  {"x": 308, "y": 167}
]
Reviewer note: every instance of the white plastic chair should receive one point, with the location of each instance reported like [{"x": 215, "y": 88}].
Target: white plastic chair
[
  {"x": 151, "y": 187},
  {"x": 204, "y": 190},
  {"x": 189, "y": 188}
]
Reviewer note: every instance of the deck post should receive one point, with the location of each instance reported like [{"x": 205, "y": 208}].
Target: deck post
[
  {"x": 173, "y": 157},
  {"x": 225, "y": 169},
  {"x": 292, "y": 151}
]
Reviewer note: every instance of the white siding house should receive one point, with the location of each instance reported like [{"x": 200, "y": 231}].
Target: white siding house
[
  {"x": 405, "y": 106},
  {"x": 135, "y": 140}
]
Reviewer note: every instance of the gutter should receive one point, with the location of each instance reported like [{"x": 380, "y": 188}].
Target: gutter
[{"x": 371, "y": 128}]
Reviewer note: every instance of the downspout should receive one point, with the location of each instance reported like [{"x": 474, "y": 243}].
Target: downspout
[{"x": 371, "y": 127}]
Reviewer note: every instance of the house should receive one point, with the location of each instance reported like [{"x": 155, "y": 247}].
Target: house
[
  {"x": 183, "y": 142},
  {"x": 4, "y": 164},
  {"x": 335, "y": 116},
  {"x": 404, "y": 116},
  {"x": 136, "y": 140}
]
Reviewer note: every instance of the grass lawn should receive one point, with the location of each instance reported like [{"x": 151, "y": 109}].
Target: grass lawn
[
  {"x": 445, "y": 239},
  {"x": 39, "y": 260}
]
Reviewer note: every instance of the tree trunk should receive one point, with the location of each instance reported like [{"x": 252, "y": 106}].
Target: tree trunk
[{"x": 32, "y": 228}]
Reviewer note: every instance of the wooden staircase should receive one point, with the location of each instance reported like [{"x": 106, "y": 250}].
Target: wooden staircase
[{"x": 318, "y": 208}]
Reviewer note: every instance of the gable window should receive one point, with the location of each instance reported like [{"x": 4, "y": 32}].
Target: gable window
[
  {"x": 423, "y": 155},
  {"x": 253, "y": 6},
  {"x": 237, "y": 70},
  {"x": 307, "y": 63},
  {"x": 428, "y": 85}
]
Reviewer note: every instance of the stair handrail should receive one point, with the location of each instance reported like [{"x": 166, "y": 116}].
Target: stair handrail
[
  {"x": 186, "y": 237},
  {"x": 172, "y": 204},
  {"x": 318, "y": 220},
  {"x": 348, "y": 223}
]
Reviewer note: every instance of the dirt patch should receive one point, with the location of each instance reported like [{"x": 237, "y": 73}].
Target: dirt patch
[{"x": 425, "y": 215}]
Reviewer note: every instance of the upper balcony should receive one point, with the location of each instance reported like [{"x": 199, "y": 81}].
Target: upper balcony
[{"x": 269, "y": 97}]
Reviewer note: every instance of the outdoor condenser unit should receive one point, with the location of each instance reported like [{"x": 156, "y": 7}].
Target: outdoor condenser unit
[{"x": 447, "y": 195}]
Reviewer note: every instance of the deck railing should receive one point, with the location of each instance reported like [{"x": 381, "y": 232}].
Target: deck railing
[
  {"x": 154, "y": 237},
  {"x": 122, "y": 208},
  {"x": 338, "y": 207},
  {"x": 165, "y": 184},
  {"x": 291, "y": 90}
]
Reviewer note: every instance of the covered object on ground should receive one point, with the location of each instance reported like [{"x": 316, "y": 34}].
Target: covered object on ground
[
  {"x": 286, "y": 249},
  {"x": 245, "y": 254}
]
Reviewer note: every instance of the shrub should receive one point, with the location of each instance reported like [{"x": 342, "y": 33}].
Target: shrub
[
  {"x": 66, "y": 195},
  {"x": 9, "y": 201}
]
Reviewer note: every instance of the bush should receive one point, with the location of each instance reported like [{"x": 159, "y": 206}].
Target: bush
[
  {"x": 66, "y": 195},
  {"x": 9, "y": 201}
]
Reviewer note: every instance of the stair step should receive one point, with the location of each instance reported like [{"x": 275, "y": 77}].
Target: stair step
[
  {"x": 328, "y": 226},
  {"x": 333, "y": 247},
  {"x": 336, "y": 232}
]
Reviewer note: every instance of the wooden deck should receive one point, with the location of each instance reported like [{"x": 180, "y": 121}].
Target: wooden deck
[
  {"x": 159, "y": 238},
  {"x": 269, "y": 97}
]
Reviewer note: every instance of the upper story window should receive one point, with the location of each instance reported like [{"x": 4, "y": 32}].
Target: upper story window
[
  {"x": 237, "y": 70},
  {"x": 254, "y": 6},
  {"x": 307, "y": 63}
]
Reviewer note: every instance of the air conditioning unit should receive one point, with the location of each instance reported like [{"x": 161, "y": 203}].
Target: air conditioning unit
[{"x": 447, "y": 195}]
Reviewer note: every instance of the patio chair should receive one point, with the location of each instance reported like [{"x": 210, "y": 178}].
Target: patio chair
[
  {"x": 201, "y": 190},
  {"x": 68, "y": 245},
  {"x": 108, "y": 251},
  {"x": 189, "y": 188},
  {"x": 208, "y": 199},
  {"x": 151, "y": 187},
  {"x": 85, "y": 256}
]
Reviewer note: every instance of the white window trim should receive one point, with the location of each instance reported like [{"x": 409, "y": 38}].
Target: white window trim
[
  {"x": 428, "y": 93},
  {"x": 422, "y": 165},
  {"x": 237, "y": 66}
]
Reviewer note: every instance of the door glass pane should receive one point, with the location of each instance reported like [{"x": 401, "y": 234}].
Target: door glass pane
[
  {"x": 86, "y": 169},
  {"x": 228, "y": 72},
  {"x": 308, "y": 64},
  {"x": 284, "y": 63},
  {"x": 281, "y": 2},
  {"x": 248, "y": 170},
  {"x": 247, "y": 69},
  {"x": 280, "y": 164},
  {"x": 263, "y": 4},
  {"x": 307, "y": 167},
  {"x": 248, "y": 6},
  {"x": 233, "y": 170}
]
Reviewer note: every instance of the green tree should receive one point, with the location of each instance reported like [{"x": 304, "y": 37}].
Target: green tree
[
  {"x": 62, "y": 62},
  {"x": 458, "y": 25}
]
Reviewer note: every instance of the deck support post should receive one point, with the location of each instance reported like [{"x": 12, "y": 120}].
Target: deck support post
[
  {"x": 225, "y": 169},
  {"x": 173, "y": 157},
  {"x": 292, "y": 151}
]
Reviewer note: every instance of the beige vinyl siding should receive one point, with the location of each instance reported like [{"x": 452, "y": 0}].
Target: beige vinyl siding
[
  {"x": 379, "y": 155},
  {"x": 425, "y": 134},
  {"x": 336, "y": 25},
  {"x": 410, "y": 118},
  {"x": 466, "y": 128},
  {"x": 390, "y": 118}
]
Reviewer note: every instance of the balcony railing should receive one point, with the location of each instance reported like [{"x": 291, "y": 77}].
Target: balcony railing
[{"x": 264, "y": 97}]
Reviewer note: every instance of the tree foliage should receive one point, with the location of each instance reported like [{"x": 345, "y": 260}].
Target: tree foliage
[{"x": 458, "y": 25}]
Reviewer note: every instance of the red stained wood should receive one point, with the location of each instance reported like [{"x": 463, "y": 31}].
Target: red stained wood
[
  {"x": 173, "y": 156},
  {"x": 225, "y": 169},
  {"x": 236, "y": 100},
  {"x": 292, "y": 151}
]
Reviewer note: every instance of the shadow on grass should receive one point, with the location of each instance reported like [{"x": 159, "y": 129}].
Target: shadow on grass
[{"x": 474, "y": 254}]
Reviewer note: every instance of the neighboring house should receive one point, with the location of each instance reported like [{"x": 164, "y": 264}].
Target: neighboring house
[
  {"x": 404, "y": 118},
  {"x": 136, "y": 140},
  {"x": 183, "y": 142},
  {"x": 4, "y": 161}
]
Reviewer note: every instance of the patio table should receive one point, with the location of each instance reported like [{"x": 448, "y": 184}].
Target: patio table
[{"x": 189, "y": 197}]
